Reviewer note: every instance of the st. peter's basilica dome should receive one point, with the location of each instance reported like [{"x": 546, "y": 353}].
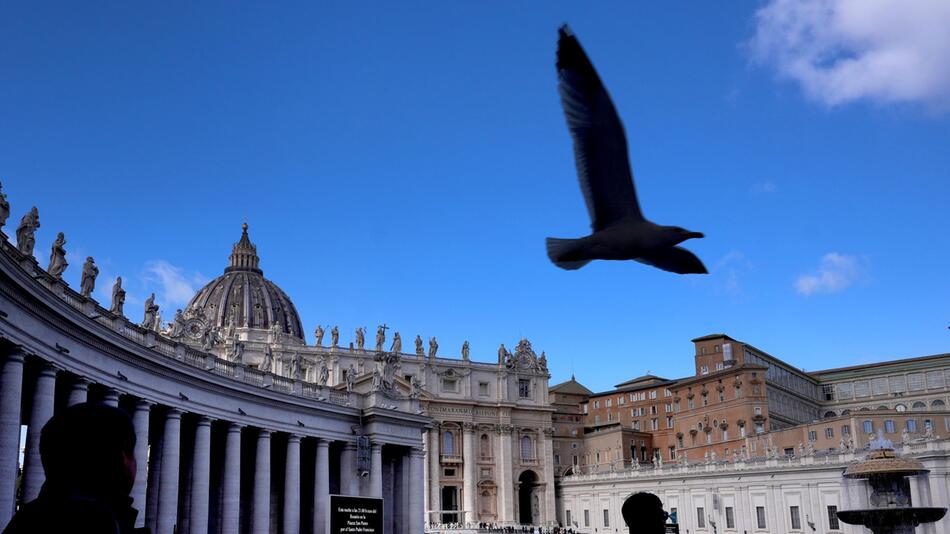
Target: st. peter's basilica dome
[{"x": 243, "y": 296}]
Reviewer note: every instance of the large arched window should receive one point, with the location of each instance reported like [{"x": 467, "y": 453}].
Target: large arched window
[
  {"x": 484, "y": 446},
  {"x": 527, "y": 448},
  {"x": 830, "y": 414},
  {"x": 919, "y": 406},
  {"x": 448, "y": 442},
  {"x": 938, "y": 404}
]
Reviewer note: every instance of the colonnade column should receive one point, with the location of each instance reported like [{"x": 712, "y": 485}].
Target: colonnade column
[
  {"x": 140, "y": 423},
  {"x": 201, "y": 477},
  {"x": 79, "y": 391},
  {"x": 111, "y": 398},
  {"x": 168, "y": 484},
  {"x": 416, "y": 513},
  {"x": 11, "y": 387},
  {"x": 468, "y": 451},
  {"x": 426, "y": 476},
  {"x": 349, "y": 485},
  {"x": 435, "y": 487},
  {"x": 260, "y": 520},
  {"x": 231, "y": 481},
  {"x": 321, "y": 487},
  {"x": 550, "y": 515},
  {"x": 292, "y": 486},
  {"x": 506, "y": 506},
  {"x": 43, "y": 398},
  {"x": 404, "y": 485},
  {"x": 376, "y": 471}
]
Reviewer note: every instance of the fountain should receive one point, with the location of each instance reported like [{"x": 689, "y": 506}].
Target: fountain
[{"x": 891, "y": 510}]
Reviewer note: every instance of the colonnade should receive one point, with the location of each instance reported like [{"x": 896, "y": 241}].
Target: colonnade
[{"x": 201, "y": 475}]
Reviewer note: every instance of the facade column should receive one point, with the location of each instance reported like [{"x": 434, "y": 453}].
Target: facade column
[
  {"x": 11, "y": 388},
  {"x": 168, "y": 485},
  {"x": 43, "y": 398},
  {"x": 260, "y": 521},
  {"x": 404, "y": 482},
  {"x": 79, "y": 392},
  {"x": 140, "y": 423},
  {"x": 111, "y": 398},
  {"x": 435, "y": 486},
  {"x": 416, "y": 513},
  {"x": 506, "y": 506},
  {"x": 231, "y": 481},
  {"x": 201, "y": 477},
  {"x": 426, "y": 476},
  {"x": 469, "y": 476},
  {"x": 549, "y": 516},
  {"x": 376, "y": 471},
  {"x": 321, "y": 487},
  {"x": 349, "y": 484},
  {"x": 292, "y": 486}
]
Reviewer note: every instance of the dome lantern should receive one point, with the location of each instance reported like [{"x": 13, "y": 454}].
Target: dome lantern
[{"x": 244, "y": 255}]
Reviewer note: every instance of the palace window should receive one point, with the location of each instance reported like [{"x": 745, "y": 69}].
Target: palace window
[
  {"x": 719, "y": 366},
  {"x": 888, "y": 426},
  {"x": 586, "y": 518},
  {"x": 672, "y": 453},
  {"x": 796, "y": 517},
  {"x": 654, "y": 425},
  {"x": 833, "y": 518},
  {"x": 812, "y": 435},
  {"x": 700, "y": 517},
  {"x": 912, "y": 425},
  {"x": 868, "y": 426},
  {"x": 653, "y": 410},
  {"x": 691, "y": 404},
  {"x": 730, "y": 517},
  {"x": 484, "y": 445},
  {"x": 610, "y": 403},
  {"x": 845, "y": 430},
  {"x": 704, "y": 369},
  {"x": 829, "y": 432},
  {"x": 483, "y": 389},
  {"x": 669, "y": 422},
  {"x": 606, "y": 518},
  {"x": 653, "y": 394},
  {"x": 450, "y": 385},
  {"x": 527, "y": 448},
  {"x": 524, "y": 389},
  {"x": 760, "y": 517},
  {"x": 448, "y": 443}
]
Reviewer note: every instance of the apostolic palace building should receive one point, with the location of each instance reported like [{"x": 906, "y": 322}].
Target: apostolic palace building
[{"x": 245, "y": 427}]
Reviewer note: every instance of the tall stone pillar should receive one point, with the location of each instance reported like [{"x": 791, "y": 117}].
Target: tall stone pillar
[
  {"x": 168, "y": 485},
  {"x": 321, "y": 487},
  {"x": 292, "y": 486},
  {"x": 260, "y": 520},
  {"x": 549, "y": 515},
  {"x": 349, "y": 483},
  {"x": 376, "y": 471},
  {"x": 506, "y": 505},
  {"x": 405, "y": 483},
  {"x": 43, "y": 397},
  {"x": 231, "y": 481},
  {"x": 469, "y": 476},
  {"x": 11, "y": 388},
  {"x": 111, "y": 398},
  {"x": 435, "y": 472},
  {"x": 140, "y": 423},
  {"x": 426, "y": 476},
  {"x": 416, "y": 513},
  {"x": 201, "y": 478},
  {"x": 79, "y": 391}
]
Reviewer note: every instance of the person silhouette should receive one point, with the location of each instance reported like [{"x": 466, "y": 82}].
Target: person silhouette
[
  {"x": 87, "y": 453},
  {"x": 643, "y": 513}
]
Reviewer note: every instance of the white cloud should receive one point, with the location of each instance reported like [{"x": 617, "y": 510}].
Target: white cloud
[
  {"x": 730, "y": 269},
  {"x": 835, "y": 273},
  {"x": 764, "y": 188},
  {"x": 840, "y": 51},
  {"x": 175, "y": 288}
]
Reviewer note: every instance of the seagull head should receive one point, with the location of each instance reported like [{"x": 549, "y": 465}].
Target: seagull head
[{"x": 677, "y": 234}]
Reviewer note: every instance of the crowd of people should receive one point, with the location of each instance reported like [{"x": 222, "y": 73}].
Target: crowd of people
[{"x": 493, "y": 527}]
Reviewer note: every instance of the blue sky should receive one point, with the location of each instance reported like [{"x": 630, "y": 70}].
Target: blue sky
[{"x": 403, "y": 163}]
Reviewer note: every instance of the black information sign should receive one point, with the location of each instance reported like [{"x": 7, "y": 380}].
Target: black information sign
[
  {"x": 355, "y": 515},
  {"x": 672, "y": 528}
]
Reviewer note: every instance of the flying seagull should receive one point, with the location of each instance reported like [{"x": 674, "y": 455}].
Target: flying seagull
[{"x": 620, "y": 231}]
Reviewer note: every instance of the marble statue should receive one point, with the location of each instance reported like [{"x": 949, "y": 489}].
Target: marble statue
[
  {"x": 420, "y": 352},
  {"x": 397, "y": 343},
  {"x": 433, "y": 347},
  {"x": 810, "y": 448},
  {"x": 57, "y": 257},
  {"x": 268, "y": 362},
  {"x": 360, "y": 337},
  {"x": 150, "y": 310},
  {"x": 543, "y": 362},
  {"x": 905, "y": 436},
  {"x": 178, "y": 326},
  {"x": 502, "y": 354},
  {"x": 841, "y": 446},
  {"x": 380, "y": 337},
  {"x": 237, "y": 353},
  {"x": 929, "y": 432},
  {"x": 318, "y": 334},
  {"x": 157, "y": 325},
  {"x": 258, "y": 315},
  {"x": 377, "y": 379},
  {"x": 295, "y": 366},
  {"x": 231, "y": 327},
  {"x": 334, "y": 337},
  {"x": 465, "y": 350},
  {"x": 801, "y": 449},
  {"x": 706, "y": 457},
  {"x": 210, "y": 337},
  {"x": 88, "y": 281},
  {"x": 712, "y": 456},
  {"x": 4, "y": 209},
  {"x": 25, "y": 238},
  {"x": 735, "y": 456},
  {"x": 350, "y": 377},
  {"x": 416, "y": 388},
  {"x": 324, "y": 372},
  {"x": 118, "y": 297}
]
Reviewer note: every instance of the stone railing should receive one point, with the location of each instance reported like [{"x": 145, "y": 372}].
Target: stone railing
[{"x": 166, "y": 347}]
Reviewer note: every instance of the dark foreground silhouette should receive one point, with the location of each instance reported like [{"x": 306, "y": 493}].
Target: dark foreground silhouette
[
  {"x": 620, "y": 231},
  {"x": 87, "y": 454},
  {"x": 644, "y": 514}
]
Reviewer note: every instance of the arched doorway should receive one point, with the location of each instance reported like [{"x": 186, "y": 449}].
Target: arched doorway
[{"x": 528, "y": 500}]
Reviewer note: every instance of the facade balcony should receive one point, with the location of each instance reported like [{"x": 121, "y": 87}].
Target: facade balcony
[{"x": 451, "y": 458}]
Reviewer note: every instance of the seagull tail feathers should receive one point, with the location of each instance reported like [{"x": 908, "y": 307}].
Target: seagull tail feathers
[{"x": 558, "y": 249}]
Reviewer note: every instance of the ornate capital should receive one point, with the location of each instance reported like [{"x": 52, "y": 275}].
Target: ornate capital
[
  {"x": 549, "y": 431},
  {"x": 504, "y": 429},
  {"x": 469, "y": 427}
]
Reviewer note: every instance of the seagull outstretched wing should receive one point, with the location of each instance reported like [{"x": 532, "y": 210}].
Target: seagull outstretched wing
[
  {"x": 600, "y": 145},
  {"x": 674, "y": 259}
]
